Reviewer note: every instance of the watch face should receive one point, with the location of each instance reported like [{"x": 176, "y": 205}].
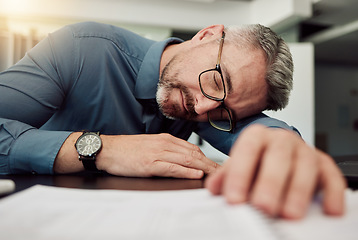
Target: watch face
[{"x": 88, "y": 144}]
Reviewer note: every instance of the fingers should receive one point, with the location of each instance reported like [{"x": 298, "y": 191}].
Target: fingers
[
  {"x": 186, "y": 154},
  {"x": 276, "y": 171},
  {"x": 259, "y": 171},
  {"x": 214, "y": 182},
  {"x": 333, "y": 185},
  {"x": 303, "y": 181},
  {"x": 239, "y": 177},
  {"x": 272, "y": 177},
  {"x": 165, "y": 169},
  {"x": 235, "y": 178}
]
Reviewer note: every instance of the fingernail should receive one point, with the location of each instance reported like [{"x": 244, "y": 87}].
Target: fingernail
[{"x": 199, "y": 173}]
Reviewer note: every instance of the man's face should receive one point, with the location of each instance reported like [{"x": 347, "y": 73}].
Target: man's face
[
  {"x": 175, "y": 99},
  {"x": 179, "y": 95}
]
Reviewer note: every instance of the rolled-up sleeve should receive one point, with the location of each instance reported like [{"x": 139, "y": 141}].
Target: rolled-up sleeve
[{"x": 24, "y": 148}]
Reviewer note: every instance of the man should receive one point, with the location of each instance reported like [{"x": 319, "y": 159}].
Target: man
[{"x": 104, "y": 79}]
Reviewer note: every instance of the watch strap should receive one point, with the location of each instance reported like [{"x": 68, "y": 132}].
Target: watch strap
[{"x": 89, "y": 163}]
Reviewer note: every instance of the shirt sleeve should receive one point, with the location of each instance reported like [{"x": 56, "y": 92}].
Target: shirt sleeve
[
  {"x": 223, "y": 141},
  {"x": 31, "y": 91}
]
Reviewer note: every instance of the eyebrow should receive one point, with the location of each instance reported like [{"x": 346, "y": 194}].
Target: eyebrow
[
  {"x": 229, "y": 89},
  {"x": 228, "y": 80}
]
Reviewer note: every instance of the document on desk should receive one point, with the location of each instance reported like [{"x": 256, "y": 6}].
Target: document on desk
[
  {"x": 43, "y": 213},
  {"x": 318, "y": 226}
]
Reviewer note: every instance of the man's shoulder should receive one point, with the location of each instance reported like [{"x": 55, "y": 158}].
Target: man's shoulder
[
  {"x": 123, "y": 38},
  {"x": 96, "y": 29}
]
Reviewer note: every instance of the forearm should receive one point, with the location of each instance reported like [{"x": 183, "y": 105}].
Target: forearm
[{"x": 67, "y": 158}]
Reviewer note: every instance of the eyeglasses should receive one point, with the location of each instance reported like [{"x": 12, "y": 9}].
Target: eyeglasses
[{"x": 212, "y": 86}]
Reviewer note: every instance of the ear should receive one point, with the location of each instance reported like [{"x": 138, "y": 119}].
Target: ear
[{"x": 208, "y": 33}]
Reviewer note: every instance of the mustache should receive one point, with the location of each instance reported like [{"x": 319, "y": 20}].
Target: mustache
[
  {"x": 189, "y": 102},
  {"x": 188, "y": 98}
]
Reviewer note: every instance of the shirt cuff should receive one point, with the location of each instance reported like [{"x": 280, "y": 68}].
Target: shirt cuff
[{"x": 35, "y": 151}]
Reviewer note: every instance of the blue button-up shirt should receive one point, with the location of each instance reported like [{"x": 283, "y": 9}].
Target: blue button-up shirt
[{"x": 88, "y": 76}]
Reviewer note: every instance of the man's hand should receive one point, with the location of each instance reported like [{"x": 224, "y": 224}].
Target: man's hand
[
  {"x": 141, "y": 156},
  {"x": 153, "y": 155},
  {"x": 275, "y": 170}
]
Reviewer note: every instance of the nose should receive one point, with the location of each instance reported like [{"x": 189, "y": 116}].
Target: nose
[{"x": 204, "y": 104}]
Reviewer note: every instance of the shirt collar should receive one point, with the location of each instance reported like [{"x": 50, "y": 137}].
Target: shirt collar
[{"x": 148, "y": 75}]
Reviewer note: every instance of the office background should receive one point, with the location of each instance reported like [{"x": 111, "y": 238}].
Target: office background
[{"x": 322, "y": 36}]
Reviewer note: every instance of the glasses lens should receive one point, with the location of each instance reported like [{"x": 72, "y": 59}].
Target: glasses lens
[
  {"x": 212, "y": 84},
  {"x": 220, "y": 118}
]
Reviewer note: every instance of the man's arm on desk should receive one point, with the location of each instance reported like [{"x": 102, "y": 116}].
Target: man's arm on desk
[
  {"x": 278, "y": 172},
  {"x": 140, "y": 156}
]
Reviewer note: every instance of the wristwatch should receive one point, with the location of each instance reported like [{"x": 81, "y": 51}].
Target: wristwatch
[{"x": 88, "y": 145}]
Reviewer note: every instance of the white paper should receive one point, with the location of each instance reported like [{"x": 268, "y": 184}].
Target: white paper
[
  {"x": 318, "y": 226},
  {"x": 51, "y": 213}
]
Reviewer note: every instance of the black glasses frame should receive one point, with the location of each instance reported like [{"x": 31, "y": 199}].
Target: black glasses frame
[{"x": 221, "y": 100}]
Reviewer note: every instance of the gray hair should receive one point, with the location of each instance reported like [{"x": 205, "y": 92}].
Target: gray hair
[{"x": 278, "y": 58}]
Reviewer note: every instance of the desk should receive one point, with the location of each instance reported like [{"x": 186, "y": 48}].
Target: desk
[
  {"x": 349, "y": 167},
  {"x": 103, "y": 181},
  {"x": 106, "y": 181}
]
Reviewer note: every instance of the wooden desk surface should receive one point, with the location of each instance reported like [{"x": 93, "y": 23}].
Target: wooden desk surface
[
  {"x": 103, "y": 181},
  {"x": 349, "y": 167},
  {"x": 106, "y": 181}
]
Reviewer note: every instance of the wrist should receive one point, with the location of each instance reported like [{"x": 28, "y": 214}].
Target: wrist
[
  {"x": 102, "y": 159},
  {"x": 66, "y": 160},
  {"x": 109, "y": 159}
]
